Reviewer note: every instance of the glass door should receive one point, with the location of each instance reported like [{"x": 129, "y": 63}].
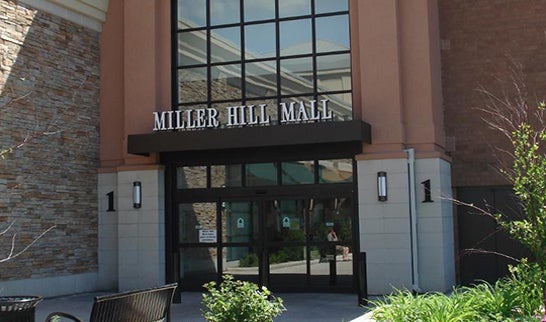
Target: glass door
[{"x": 285, "y": 245}]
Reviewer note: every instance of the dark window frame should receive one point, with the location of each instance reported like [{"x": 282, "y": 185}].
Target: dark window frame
[{"x": 314, "y": 93}]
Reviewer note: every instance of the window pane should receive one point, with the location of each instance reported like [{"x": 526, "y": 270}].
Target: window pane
[
  {"x": 261, "y": 174},
  {"x": 224, "y": 12},
  {"x": 298, "y": 172},
  {"x": 331, "y": 213},
  {"x": 198, "y": 265},
  {"x": 260, "y": 41},
  {"x": 226, "y": 175},
  {"x": 270, "y": 108},
  {"x": 225, "y": 44},
  {"x": 197, "y": 222},
  {"x": 296, "y": 76},
  {"x": 192, "y": 48},
  {"x": 261, "y": 79},
  {"x": 192, "y": 85},
  {"x": 291, "y": 8},
  {"x": 339, "y": 105},
  {"x": 259, "y": 10},
  {"x": 333, "y": 33},
  {"x": 192, "y": 13},
  {"x": 226, "y": 82},
  {"x": 332, "y": 171},
  {"x": 324, "y": 6},
  {"x": 191, "y": 177},
  {"x": 242, "y": 263},
  {"x": 295, "y": 37},
  {"x": 334, "y": 72},
  {"x": 241, "y": 224}
]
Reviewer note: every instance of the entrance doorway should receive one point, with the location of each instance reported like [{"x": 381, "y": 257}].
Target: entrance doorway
[
  {"x": 281, "y": 243},
  {"x": 264, "y": 222}
]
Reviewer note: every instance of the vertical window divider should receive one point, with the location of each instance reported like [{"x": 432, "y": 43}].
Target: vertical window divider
[
  {"x": 209, "y": 50},
  {"x": 174, "y": 55},
  {"x": 243, "y": 56},
  {"x": 314, "y": 49},
  {"x": 277, "y": 59}
]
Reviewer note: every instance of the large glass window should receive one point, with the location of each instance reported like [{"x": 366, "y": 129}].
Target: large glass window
[
  {"x": 284, "y": 173},
  {"x": 269, "y": 51}
]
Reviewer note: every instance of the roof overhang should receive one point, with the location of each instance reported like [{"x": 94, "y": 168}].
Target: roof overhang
[{"x": 250, "y": 137}]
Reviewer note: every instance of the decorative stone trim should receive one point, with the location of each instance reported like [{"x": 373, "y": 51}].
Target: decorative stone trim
[{"x": 87, "y": 13}]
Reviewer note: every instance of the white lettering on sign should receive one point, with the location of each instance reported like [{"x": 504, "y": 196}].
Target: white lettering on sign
[{"x": 238, "y": 116}]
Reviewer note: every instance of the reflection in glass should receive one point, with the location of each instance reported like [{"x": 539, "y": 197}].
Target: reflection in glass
[
  {"x": 298, "y": 172},
  {"x": 225, "y": 44},
  {"x": 324, "y": 6},
  {"x": 191, "y": 177},
  {"x": 296, "y": 76},
  {"x": 223, "y": 112},
  {"x": 261, "y": 174},
  {"x": 240, "y": 223},
  {"x": 192, "y": 13},
  {"x": 259, "y": 10},
  {"x": 226, "y": 175},
  {"x": 261, "y": 79},
  {"x": 326, "y": 214},
  {"x": 197, "y": 222},
  {"x": 291, "y": 8},
  {"x": 224, "y": 12},
  {"x": 192, "y": 85},
  {"x": 295, "y": 37},
  {"x": 260, "y": 41},
  {"x": 197, "y": 266},
  {"x": 334, "y": 72},
  {"x": 271, "y": 108},
  {"x": 332, "y": 33},
  {"x": 287, "y": 222},
  {"x": 226, "y": 82},
  {"x": 242, "y": 263},
  {"x": 340, "y": 105},
  {"x": 192, "y": 48},
  {"x": 333, "y": 171}
]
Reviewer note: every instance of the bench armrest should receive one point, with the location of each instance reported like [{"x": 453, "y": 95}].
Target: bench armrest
[{"x": 52, "y": 317}]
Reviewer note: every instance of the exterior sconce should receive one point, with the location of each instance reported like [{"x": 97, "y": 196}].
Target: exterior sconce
[
  {"x": 382, "y": 186},
  {"x": 137, "y": 194}
]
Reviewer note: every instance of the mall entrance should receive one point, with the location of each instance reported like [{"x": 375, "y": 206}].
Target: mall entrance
[{"x": 288, "y": 225}]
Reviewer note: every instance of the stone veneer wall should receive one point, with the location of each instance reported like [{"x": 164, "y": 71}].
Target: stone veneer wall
[{"x": 49, "y": 95}]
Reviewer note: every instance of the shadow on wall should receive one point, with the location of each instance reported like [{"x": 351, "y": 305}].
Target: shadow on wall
[{"x": 49, "y": 111}]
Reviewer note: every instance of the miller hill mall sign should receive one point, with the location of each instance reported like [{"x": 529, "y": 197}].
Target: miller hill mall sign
[{"x": 238, "y": 116}]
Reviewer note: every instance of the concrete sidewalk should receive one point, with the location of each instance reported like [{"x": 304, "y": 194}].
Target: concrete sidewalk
[{"x": 301, "y": 307}]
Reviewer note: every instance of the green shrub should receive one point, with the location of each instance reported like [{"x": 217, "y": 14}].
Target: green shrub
[
  {"x": 237, "y": 301},
  {"x": 514, "y": 298},
  {"x": 250, "y": 260}
]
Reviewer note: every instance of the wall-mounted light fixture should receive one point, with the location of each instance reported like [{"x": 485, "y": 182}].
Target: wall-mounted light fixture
[
  {"x": 137, "y": 194},
  {"x": 382, "y": 186}
]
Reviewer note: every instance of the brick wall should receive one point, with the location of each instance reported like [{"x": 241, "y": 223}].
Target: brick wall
[
  {"x": 480, "y": 41},
  {"x": 49, "y": 88}
]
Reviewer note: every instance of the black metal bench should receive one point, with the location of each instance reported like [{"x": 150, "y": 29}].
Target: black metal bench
[{"x": 148, "y": 305}]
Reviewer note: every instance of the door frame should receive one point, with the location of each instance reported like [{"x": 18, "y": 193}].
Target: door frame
[{"x": 261, "y": 195}]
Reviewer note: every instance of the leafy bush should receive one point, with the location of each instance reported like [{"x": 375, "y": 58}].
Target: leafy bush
[
  {"x": 514, "y": 298},
  {"x": 236, "y": 301},
  {"x": 250, "y": 260}
]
